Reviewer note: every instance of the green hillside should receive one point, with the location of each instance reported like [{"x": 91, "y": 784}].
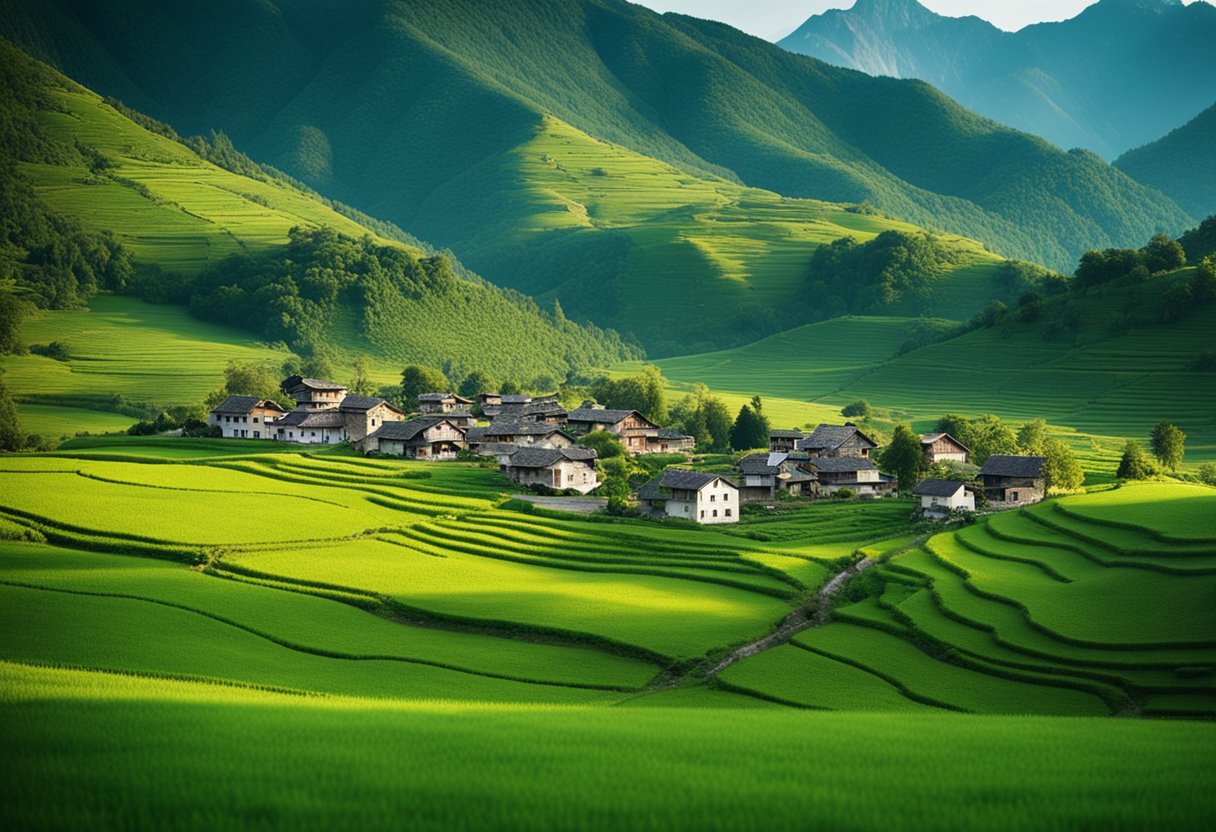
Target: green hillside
[
  {"x": 1181, "y": 164},
  {"x": 181, "y": 218},
  {"x": 455, "y": 99}
]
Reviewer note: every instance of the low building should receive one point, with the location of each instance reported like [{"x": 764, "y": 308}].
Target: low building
[
  {"x": 939, "y": 498},
  {"x": 562, "y": 469},
  {"x": 311, "y": 427},
  {"x": 312, "y": 393},
  {"x": 763, "y": 476},
  {"x": 670, "y": 441},
  {"x": 1012, "y": 481},
  {"x": 837, "y": 441},
  {"x": 245, "y": 417},
  {"x": 363, "y": 414},
  {"x": 431, "y": 438},
  {"x": 784, "y": 441},
  {"x": 692, "y": 495},
  {"x": 442, "y": 403},
  {"x": 635, "y": 431},
  {"x": 942, "y": 447},
  {"x": 498, "y": 404},
  {"x": 853, "y": 472},
  {"x": 524, "y": 432}
]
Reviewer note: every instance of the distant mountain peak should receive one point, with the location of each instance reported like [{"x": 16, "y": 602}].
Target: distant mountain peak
[{"x": 891, "y": 9}]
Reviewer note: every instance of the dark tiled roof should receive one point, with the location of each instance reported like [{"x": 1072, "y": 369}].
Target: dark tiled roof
[
  {"x": 930, "y": 438},
  {"x": 831, "y": 437},
  {"x": 599, "y": 417},
  {"x": 673, "y": 433},
  {"x": 689, "y": 480},
  {"x": 841, "y": 464},
  {"x": 654, "y": 491},
  {"x": 1004, "y": 465},
  {"x": 244, "y": 404},
  {"x": 762, "y": 464},
  {"x": 475, "y": 435},
  {"x": 507, "y": 426},
  {"x": 364, "y": 403},
  {"x": 786, "y": 434},
  {"x": 405, "y": 431},
  {"x": 545, "y": 457},
  {"x": 546, "y": 407},
  {"x": 312, "y": 384},
  {"x": 311, "y": 419},
  {"x": 515, "y": 398},
  {"x": 938, "y": 488}
]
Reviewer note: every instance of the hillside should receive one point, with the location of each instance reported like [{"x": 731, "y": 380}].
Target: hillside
[
  {"x": 183, "y": 219},
  {"x": 1118, "y": 75},
  {"x": 1181, "y": 164},
  {"x": 461, "y": 92}
]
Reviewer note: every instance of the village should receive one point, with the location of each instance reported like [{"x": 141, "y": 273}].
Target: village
[{"x": 536, "y": 442}]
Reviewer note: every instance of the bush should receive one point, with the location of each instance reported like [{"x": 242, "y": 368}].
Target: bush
[
  {"x": 844, "y": 494},
  {"x": 57, "y": 350},
  {"x": 1207, "y": 473},
  {"x": 860, "y": 408}
]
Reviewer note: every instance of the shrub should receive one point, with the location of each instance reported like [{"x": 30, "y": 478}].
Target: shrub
[
  {"x": 844, "y": 494},
  {"x": 1207, "y": 473},
  {"x": 57, "y": 350},
  {"x": 860, "y": 408}
]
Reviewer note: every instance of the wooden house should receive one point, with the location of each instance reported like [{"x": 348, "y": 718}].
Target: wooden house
[
  {"x": 364, "y": 414},
  {"x": 1012, "y": 481},
  {"x": 692, "y": 495},
  {"x": 942, "y": 447},
  {"x": 561, "y": 469},
  {"x": 311, "y": 427},
  {"x": 763, "y": 476},
  {"x": 853, "y": 472},
  {"x": 524, "y": 432},
  {"x": 938, "y": 498},
  {"x": 837, "y": 441},
  {"x": 635, "y": 431},
  {"x": 245, "y": 417},
  {"x": 425, "y": 438},
  {"x": 670, "y": 441},
  {"x": 430, "y": 404},
  {"x": 313, "y": 394},
  {"x": 785, "y": 441}
]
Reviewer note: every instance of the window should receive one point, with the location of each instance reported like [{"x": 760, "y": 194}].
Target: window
[
  {"x": 257, "y": 434},
  {"x": 728, "y": 512},
  {"x": 711, "y": 498},
  {"x": 726, "y": 498},
  {"x": 1013, "y": 496},
  {"x": 313, "y": 433},
  {"x": 715, "y": 512},
  {"x": 373, "y": 422},
  {"x": 702, "y": 514},
  {"x": 255, "y": 420}
]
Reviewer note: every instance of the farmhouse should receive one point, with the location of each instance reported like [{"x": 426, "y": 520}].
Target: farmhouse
[
  {"x": 837, "y": 441},
  {"x": 524, "y": 432},
  {"x": 764, "y": 476},
  {"x": 1012, "y": 481},
  {"x": 703, "y": 498},
  {"x": 784, "y": 441},
  {"x": 853, "y": 472},
  {"x": 363, "y": 414},
  {"x": 940, "y": 497},
  {"x": 245, "y": 417},
  {"x": 942, "y": 447},
  {"x": 670, "y": 441},
  {"x": 433, "y": 403},
  {"x": 311, "y": 427},
  {"x": 633, "y": 429},
  {"x": 557, "y": 468},
  {"x": 424, "y": 438},
  {"x": 313, "y": 394}
]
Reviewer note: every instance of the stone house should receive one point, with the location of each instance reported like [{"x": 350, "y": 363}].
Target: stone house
[
  {"x": 431, "y": 438},
  {"x": 853, "y": 472},
  {"x": 763, "y": 476},
  {"x": 245, "y": 417},
  {"x": 692, "y": 495},
  {"x": 1012, "y": 481},
  {"x": 635, "y": 431},
  {"x": 940, "y": 497},
  {"x": 942, "y": 447},
  {"x": 670, "y": 441},
  {"x": 312, "y": 427},
  {"x": 362, "y": 415},
  {"x": 558, "y": 468},
  {"x": 313, "y": 394},
  {"x": 430, "y": 404},
  {"x": 837, "y": 441},
  {"x": 523, "y": 432},
  {"x": 785, "y": 441}
]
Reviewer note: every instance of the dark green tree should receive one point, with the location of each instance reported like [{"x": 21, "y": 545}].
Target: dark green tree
[
  {"x": 11, "y": 437},
  {"x": 1169, "y": 444},
  {"x": 750, "y": 430},
  {"x": 1061, "y": 470},
  {"x": 475, "y": 384},
  {"x": 904, "y": 457},
  {"x": 1135, "y": 463},
  {"x": 1163, "y": 254},
  {"x": 12, "y": 312},
  {"x": 246, "y": 379},
  {"x": 361, "y": 384},
  {"x": 606, "y": 444},
  {"x": 858, "y": 409},
  {"x": 417, "y": 379},
  {"x": 614, "y": 482}
]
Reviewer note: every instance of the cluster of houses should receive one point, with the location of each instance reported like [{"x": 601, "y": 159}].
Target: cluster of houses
[{"x": 534, "y": 438}]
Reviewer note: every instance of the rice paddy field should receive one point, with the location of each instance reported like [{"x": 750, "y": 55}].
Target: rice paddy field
[{"x": 327, "y": 640}]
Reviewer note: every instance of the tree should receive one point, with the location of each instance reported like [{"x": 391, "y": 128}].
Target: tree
[
  {"x": 1163, "y": 254},
  {"x": 750, "y": 430},
  {"x": 475, "y": 384},
  {"x": 361, "y": 385},
  {"x": 1207, "y": 473},
  {"x": 984, "y": 436},
  {"x": 606, "y": 444},
  {"x": 645, "y": 393},
  {"x": 1169, "y": 445},
  {"x": 417, "y": 379},
  {"x": 1135, "y": 464},
  {"x": 614, "y": 482},
  {"x": 860, "y": 408},
  {"x": 1061, "y": 470},
  {"x": 1203, "y": 284},
  {"x": 319, "y": 366},
  {"x": 718, "y": 424},
  {"x": 11, "y": 438},
  {"x": 904, "y": 457},
  {"x": 1032, "y": 437},
  {"x": 12, "y": 311},
  {"x": 243, "y": 379}
]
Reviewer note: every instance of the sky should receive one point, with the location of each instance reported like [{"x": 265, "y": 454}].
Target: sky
[{"x": 774, "y": 19}]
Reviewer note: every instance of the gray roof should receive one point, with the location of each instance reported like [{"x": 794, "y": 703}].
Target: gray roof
[
  {"x": 314, "y": 384},
  {"x": 689, "y": 480},
  {"x": 545, "y": 457},
  {"x": 475, "y": 435},
  {"x": 786, "y": 434},
  {"x": 515, "y": 398},
  {"x": 762, "y": 464},
  {"x": 930, "y": 438},
  {"x": 507, "y": 426},
  {"x": 441, "y": 397},
  {"x": 244, "y": 404},
  {"x": 544, "y": 406},
  {"x": 831, "y": 437},
  {"x": 363, "y": 403},
  {"x": 673, "y": 433},
  {"x": 841, "y": 464},
  {"x": 938, "y": 488},
  {"x": 311, "y": 419},
  {"x": 405, "y": 431},
  {"x": 597, "y": 416},
  {"x": 1005, "y": 465}
]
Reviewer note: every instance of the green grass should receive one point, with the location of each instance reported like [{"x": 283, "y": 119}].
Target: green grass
[{"x": 54, "y": 421}]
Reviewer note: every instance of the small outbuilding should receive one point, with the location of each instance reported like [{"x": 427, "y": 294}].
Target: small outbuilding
[
  {"x": 1012, "y": 481},
  {"x": 939, "y": 498},
  {"x": 561, "y": 469}
]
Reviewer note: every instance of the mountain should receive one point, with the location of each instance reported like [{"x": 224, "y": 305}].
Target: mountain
[
  {"x": 93, "y": 197},
  {"x": 1181, "y": 164},
  {"x": 626, "y": 163},
  {"x": 1121, "y": 73}
]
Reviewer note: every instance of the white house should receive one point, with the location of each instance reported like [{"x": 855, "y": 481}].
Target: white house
[
  {"x": 558, "y": 468},
  {"x": 703, "y": 498},
  {"x": 940, "y": 497},
  {"x": 311, "y": 427},
  {"x": 245, "y": 417}
]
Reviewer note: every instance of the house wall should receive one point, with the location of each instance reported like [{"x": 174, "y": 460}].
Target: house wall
[
  {"x": 360, "y": 424},
  {"x": 854, "y": 447},
  {"x": 311, "y": 436},
  {"x": 944, "y": 450},
  {"x": 1004, "y": 493},
  {"x": 320, "y": 399},
  {"x": 256, "y": 425},
  {"x": 781, "y": 444},
  {"x": 963, "y": 500}
]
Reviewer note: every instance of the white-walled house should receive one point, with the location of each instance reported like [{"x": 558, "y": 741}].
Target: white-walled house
[
  {"x": 561, "y": 469},
  {"x": 692, "y": 495},
  {"x": 245, "y": 417},
  {"x": 424, "y": 438},
  {"x": 311, "y": 427},
  {"x": 940, "y": 497}
]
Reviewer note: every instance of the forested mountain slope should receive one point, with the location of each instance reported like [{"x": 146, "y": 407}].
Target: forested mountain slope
[
  {"x": 435, "y": 113},
  {"x": 1181, "y": 164},
  {"x": 94, "y": 201},
  {"x": 1120, "y": 74}
]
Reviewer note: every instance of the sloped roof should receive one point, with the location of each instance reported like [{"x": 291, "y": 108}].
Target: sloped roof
[
  {"x": 510, "y": 426},
  {"x": 364, "y": 403},
  {"x": 311, "y": 419},
  {"x": 442, "y": 397},
  {"x": 405, "y": 431},
  {"x": 930, "y": 438},
  {"x": 786, "y": 434},
  {"x": 294, "y": 383},
  {"x": 600, "y": 417},
  {"x": 475, "y": 435},
  {"x": 673, "y": 433},
  {"x": 529, "y": 457},
  {"x": 244, "y": 405},
  {"x": 831, "y": 437},
  {"x": 1006, "y": 465},
  {"x": 682, "y": 479},
  {"x": 841, "y": 464},
  {"x": 761, "y": 464},
  {"x": 938, "y": 488}
]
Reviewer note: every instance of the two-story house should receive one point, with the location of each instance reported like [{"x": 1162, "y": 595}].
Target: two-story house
[
  {"x": 245, "y": 417},
  {"x": 1012, "y": 481},
  {"x": 692, "y": 495},
  {"x": 856, "y": 473},
  {"x": 561, "y": 469},
  {"x": 636, "y": 432},
  {"x": 784, "y": 441},
  {"x": 942, "y": 447},
  {"x": 364, "y": 414},
  {"x": 311, "y": 427},
  {"x": 763, "y": 476},
  {"x": 838, "y": 441},
  {"x": 312, "y": 393},
  {"x": 430, "y": 404},
  {"x": 430, "y": 438},
  {"x": 939, "y": 498}
]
